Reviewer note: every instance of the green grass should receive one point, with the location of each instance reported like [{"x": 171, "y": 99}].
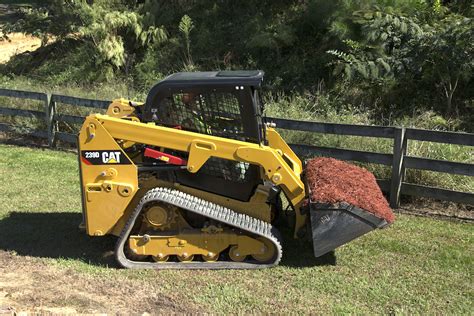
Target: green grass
[
  {"x": 99, "y": 91},
  {"x": 417, "y": 265}
]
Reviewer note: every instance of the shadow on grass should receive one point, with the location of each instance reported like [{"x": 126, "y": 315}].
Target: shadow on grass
[
  {"x": 54, "y": 235},
  {"x": 298, "y": 253},
  {"x": 17, "y": 139}
]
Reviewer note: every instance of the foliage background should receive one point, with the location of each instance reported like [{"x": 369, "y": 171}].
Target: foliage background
[{"x": 392, "y": 59}]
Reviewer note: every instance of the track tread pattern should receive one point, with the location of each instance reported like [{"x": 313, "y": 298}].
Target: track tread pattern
[{"x": 204, "y": 208}]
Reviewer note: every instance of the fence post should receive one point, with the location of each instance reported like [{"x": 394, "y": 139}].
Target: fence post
[
  {"x": 50, "y": 120},
  {"x": 398, "y": 167}
]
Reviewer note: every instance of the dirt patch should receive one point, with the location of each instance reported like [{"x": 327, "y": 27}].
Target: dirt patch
[
  {"x": 332, "y": 181},
  {"x": 31, "y": 285},
  {"x": 16, "y": 44},
  {"x": 438, "y": 209}
]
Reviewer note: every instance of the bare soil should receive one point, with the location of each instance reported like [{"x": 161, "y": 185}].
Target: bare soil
[
  {"x": 31, "y": 285},
  {"x": 17, "y": 43},
  {"x": 437, "y": 209}
]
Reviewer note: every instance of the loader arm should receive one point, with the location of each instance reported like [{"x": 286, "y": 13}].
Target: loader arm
[{"x": 280, "y": 164}]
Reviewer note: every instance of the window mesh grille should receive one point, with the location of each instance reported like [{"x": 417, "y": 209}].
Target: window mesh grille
[{"x": 212, "y": 113}]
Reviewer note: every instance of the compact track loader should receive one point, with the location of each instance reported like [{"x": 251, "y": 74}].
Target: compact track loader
[{"x": 193, "y": 179}]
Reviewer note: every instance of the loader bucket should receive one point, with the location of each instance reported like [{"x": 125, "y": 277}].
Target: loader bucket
[
  {"x": 345, "y": 202},
  {"x": 337, "y": 224}
]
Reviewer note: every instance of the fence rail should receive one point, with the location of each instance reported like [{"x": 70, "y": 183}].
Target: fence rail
[
  {"x": 21, "y": 112},
  {"x": 23, "y": 94},
  {"x": 398, "y": 160},
  {"x": 101, "y": 104}
]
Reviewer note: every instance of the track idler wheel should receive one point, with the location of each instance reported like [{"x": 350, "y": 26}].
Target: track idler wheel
[
  {"x": 269, "y": 251},
  {"x": 235, "y": 255}
]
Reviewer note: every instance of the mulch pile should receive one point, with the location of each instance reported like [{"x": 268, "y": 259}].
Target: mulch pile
[{"x": 331, "y": 181}]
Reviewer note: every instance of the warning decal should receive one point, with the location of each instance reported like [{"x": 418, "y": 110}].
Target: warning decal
[{"x": 104, "y": 157}]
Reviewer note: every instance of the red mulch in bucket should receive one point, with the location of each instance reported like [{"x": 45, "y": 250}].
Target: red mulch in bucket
[{"x": 331, "y": 181}]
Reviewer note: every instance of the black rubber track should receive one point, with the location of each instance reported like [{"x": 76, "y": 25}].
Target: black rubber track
[{"x": 205, "y": 208}]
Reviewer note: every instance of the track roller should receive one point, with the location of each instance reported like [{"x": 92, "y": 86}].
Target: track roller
[
  {"x": 160, "y": 258},
  {"x": 185, "y": 257},
  {"x": 210, "y": 257}
]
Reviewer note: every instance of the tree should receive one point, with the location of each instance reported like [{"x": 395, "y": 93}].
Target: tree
[
  {"x": 113, "y": 29},
  {"x": 423, "y": 54},
  {"x": 186, "y": 25},
  {"x": 48, "y": 19},
  {"x": 445, "y": 52},
  {"x": 384, "y": 50}
]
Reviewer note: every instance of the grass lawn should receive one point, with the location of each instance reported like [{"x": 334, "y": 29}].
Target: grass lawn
[{"x": 418, "y": 265}]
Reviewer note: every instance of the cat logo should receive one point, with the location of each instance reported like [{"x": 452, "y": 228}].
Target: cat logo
[
  {"x": 104, "y": 157},
  {"x": 111, "y": 157}
]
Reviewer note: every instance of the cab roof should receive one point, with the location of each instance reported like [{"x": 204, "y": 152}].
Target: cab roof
[{"x": 241, "y": 77}]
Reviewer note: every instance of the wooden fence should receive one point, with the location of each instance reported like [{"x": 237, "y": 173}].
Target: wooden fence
[{"x": 398, "y": 160}]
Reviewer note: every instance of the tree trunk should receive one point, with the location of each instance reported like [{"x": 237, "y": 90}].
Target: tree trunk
[{"x": 449, "y": 90}]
